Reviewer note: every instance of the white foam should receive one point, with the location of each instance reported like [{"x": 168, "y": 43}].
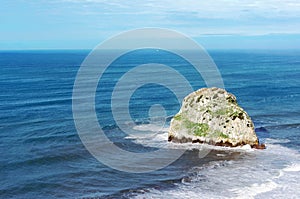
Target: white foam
[
  {"x": 159, "y": 139},
  {"x": 276, "y": 141},
  {"x": 255, "y": 189},
  {"x": 150, "y": 127},
  {"x": 259, "y": 172},
  {"x": 270, "y": 173},
  {"x": 292, "y": 168},
  {"x": 281, "y": 181},
  {"x": 150, "y": 134}
]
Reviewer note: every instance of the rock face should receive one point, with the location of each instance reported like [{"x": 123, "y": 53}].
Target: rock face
[{"x": 212, "y": 115}]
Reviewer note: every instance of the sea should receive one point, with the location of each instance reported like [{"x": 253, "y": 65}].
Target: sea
[{"x": 43, "y": 156}]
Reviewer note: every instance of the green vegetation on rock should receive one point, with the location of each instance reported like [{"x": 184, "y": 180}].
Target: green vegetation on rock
[
  {"x": 230, "y": 112},
  {"x": 220, "y": 134},
  {"x": 212, "y": 115},
  {"x": 222, "y": 112},
  {"x": 198, "y": 129},
  {"x": 177, "y": 117}
]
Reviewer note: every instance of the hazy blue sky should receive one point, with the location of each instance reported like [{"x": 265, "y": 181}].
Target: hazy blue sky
[{"x": 55, "y": 24}]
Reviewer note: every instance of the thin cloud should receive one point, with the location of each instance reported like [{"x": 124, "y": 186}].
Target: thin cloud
[
  {"x": 93, "y": 19},
  {"x": 207, "y": 9},
  {"x": 207, "y": 17}
]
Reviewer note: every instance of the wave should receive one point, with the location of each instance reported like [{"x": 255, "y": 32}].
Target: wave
[
  {"x": 284, "y": 126},
  {"x": 157, "y": 137},
  {"x": 252, "y": 173},
  {"x": 273, "y": 173}
]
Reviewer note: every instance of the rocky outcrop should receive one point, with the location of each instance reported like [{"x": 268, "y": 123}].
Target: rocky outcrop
[{"x": 213, "y": 116}]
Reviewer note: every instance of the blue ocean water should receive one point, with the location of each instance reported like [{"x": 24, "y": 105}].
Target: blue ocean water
[{"x": 43, "y": 156}]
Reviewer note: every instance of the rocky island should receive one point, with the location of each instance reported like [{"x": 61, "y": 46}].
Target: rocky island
[{"x": 213, "y": 116}]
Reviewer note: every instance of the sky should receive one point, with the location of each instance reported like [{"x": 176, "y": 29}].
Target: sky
[{"x": 83, "y": 24}]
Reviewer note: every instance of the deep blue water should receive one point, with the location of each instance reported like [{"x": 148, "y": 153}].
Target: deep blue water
[{"x": 42, "y": 154}]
